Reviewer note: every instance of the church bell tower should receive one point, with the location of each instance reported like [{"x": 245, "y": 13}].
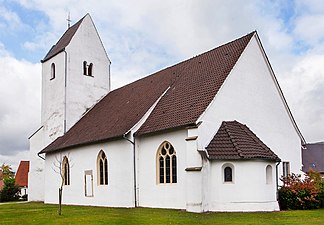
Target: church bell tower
[{"x": 75, "y": 75}]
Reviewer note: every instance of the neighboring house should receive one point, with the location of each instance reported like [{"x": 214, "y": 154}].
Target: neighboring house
[
  {"x": 212, "y": 133},
  {"x": 313, "y": 157},
  {"x": 1, "y": 181},
  {"x": 22, "y": 177}
]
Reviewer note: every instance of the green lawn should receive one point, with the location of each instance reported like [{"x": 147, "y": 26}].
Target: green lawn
[{"x": 38, "y": 213}]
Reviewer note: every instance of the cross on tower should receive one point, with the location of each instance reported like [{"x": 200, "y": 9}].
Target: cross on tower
[{"x": 69, "y": 20}]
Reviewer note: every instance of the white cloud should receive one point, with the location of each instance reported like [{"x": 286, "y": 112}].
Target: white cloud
[
  {"x": 142, "y": 37},
  {"x": 20, "y": 104}
]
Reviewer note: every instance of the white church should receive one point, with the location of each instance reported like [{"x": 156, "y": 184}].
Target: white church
[{"x": 211, "y": 133}]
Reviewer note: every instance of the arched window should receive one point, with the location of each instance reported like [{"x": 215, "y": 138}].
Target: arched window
[
  {"x": 90, "y": 69},
  {"x": 269, "y": 174},
  {"x": 84, "y": 67},
  {"x": 102, "y": 168},
  {"x": 52, "y": 71},
  {"x": 166, "y": 164},
  {"x": 66, "y": 171},
  {"x": 228, "y": 173}
]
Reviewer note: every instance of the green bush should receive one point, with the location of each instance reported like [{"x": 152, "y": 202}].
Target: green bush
[{"x": 10, "y": 191}]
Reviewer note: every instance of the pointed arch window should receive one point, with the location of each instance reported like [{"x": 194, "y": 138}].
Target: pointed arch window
[
  {"x": 52, "y": 71},
  {"x": 166, "y": 164},
  {"x": 66, "y": 171},
  {"x": 102, "y": 168}
]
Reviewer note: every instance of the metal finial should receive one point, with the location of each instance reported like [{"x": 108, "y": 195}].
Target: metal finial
[{"x": 69, "y": 20}]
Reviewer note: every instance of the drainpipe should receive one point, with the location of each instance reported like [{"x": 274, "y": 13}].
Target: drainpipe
[
  {"x": 277, "y": 185},
  {"x": 65, "y": 84},
  {"x": 134, "y": 164}
]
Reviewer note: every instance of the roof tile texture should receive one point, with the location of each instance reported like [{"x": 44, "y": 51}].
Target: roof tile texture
[
  {"x": 234, "y": 140},
  {"x": 192, "y": 86},
  {"x": 63, "y": 42}
]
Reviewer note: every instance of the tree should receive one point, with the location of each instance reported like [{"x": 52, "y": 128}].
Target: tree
[
  {"x": 62, "y": 167},
  {"x": 10, "y": 191},
  {"x": 6, "y": 172}
]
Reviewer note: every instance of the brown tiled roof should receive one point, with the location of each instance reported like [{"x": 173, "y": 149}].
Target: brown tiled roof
[
  {"x": 313, "y": 157},
  {"x": 22, "y": 174},
  {"x": 193, "y": 84},
  {"x": 234, "y": 140},
  {"x": 63, "y": 41}
]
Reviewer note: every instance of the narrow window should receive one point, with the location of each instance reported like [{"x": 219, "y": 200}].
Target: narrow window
[
  {"x": 84, "y": 67},
  {"x": 102, "y": 168},
  {"x": 66, "y": 171},
  {"x": 286, "y": 169},
  {"x": 166, "y": 164},
  {"x": 52, "y": 71},
  {"x": 228, "y": 176},
  {"x": 90, "y": 69},
  {"x": 269, "y": 174}
]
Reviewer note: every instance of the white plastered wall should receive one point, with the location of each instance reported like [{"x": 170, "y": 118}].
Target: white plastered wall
[
  {"x": 120, "y": 189},
  {"x": 250, "y": 96},
  {"x": 249, "y": 190},
  {"x": 151, "y": 193}
]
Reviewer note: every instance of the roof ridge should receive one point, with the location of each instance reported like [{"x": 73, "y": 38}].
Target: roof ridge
[{"x": 233, "y": 140}]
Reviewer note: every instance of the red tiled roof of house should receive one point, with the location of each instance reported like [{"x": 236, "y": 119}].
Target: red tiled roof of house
[
  {"x": 1, "y": 181},
  {"x": 234, "y": 140},
  {"x": 22, "y": 174},
  {"x": 191, "y": 85},
  {"x": 63, "y": 41}
]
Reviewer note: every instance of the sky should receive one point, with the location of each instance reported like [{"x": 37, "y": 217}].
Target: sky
[{"x": 144, "y": 36}]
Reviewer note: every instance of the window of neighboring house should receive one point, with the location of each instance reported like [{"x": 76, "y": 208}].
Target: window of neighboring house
[
  {"x": 84, "y": 67},
  {"x": 66, "y": 171},
  {"x": 52, "y": 71},
  {"x": 269, "y": 174},
  {"x": 166, "y": 164},
  {"x": 102, "y": 165},
  {"x": 285, "y": 168}
]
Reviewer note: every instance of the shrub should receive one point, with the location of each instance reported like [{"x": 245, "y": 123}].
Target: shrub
[
  {"x": 297, "y": 193},
  {"x": 10, "y": 191}
]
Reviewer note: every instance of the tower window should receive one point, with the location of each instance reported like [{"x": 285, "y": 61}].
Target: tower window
[
  {"x": 52, "y": 71},
  {"x": 90, "y": 69},
  {"x": 84, "y": 67},
  {"x": 87, "y": 69}
]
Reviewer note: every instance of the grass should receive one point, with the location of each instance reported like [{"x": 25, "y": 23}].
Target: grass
[{"x": 39, "y": 213}]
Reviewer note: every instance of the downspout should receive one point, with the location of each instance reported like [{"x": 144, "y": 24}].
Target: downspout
[
  {"x": 134, "y": 168},
  {"x": 65, "y": 83},
  {"x": 277, "y": 185}
]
